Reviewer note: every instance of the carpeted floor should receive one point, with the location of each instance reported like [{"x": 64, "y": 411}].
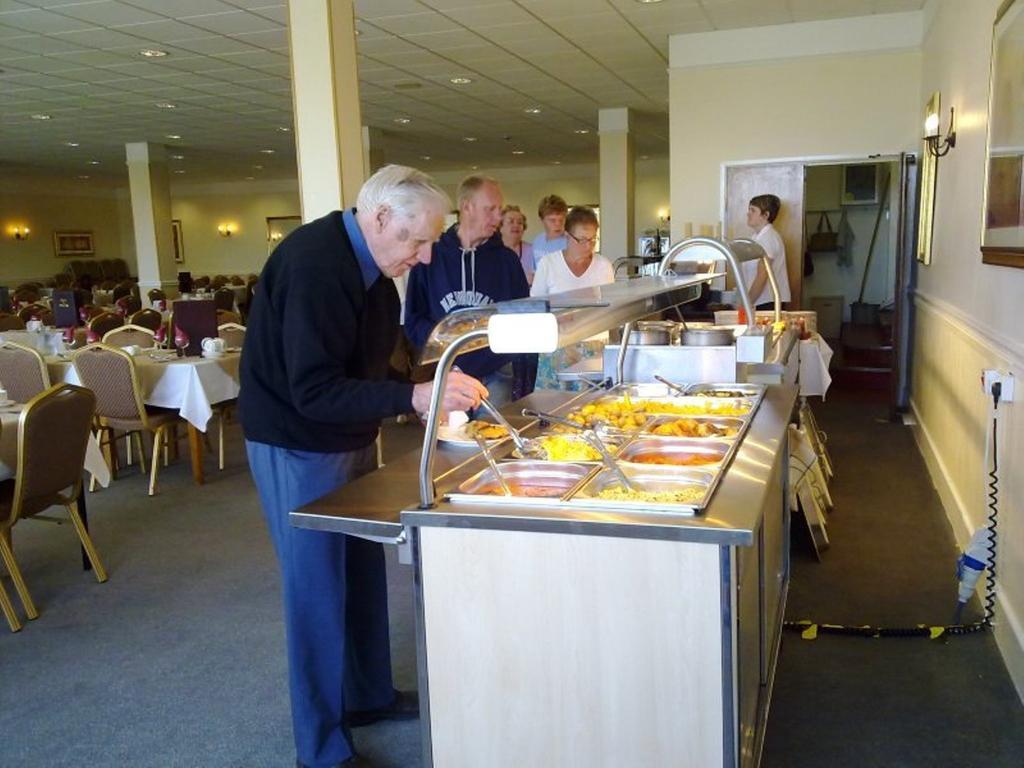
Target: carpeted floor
[{"x": 178, "y": 660}]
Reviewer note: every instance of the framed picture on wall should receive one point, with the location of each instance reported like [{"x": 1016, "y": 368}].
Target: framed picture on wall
[
  {"x": 860, "y": 184},
  {"x": 73, "y": 244},
  {"x": 278, "y": 228},
  {"x": 178, "y": 241}
]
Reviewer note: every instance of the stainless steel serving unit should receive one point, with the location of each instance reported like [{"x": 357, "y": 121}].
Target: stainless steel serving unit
[{"x": 531, "y": 612}]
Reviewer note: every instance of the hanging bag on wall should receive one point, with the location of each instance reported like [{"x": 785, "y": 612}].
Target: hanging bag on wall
[{"x": 823, "y": 239}]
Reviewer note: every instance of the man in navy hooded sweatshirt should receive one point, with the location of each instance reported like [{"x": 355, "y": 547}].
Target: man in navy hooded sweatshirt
[{"x": 469, "y": 267}]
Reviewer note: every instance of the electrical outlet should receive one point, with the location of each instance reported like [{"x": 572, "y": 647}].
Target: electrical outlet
[{"x": 990, "y": 376}]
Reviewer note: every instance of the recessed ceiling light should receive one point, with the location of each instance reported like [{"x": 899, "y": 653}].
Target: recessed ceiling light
[
  {"x": 71, "y": 144},
  {"x": 165, "y": 105},
  {"x": 533, "y": 110},
  {"x": 644, "y": 157},
  {"x": 40, "y": 116},
  {"x": 250, "y": 178},
  {"x": 152, "y": 53},
  {"x": 474, "y": 167},
  {"x": 582, "y": 131},
  {"x": 424, "y": 157},
  {"x": 284, "y": 129},
  {"x": 648, "y": 2},
  {"x": 267, "y": 151},
  {"x": 469, "y": 138},
  {"x": 556, "y": 162},
  {"x": 177, "y": 157},
  {"x": 518, "y": 152},
  {"x": 179, "y": 170},
  {"x": 83, "y": 176},
  {"x": 173, "y": 136},
  {"x": 403, "y": 120},
  {"x": 258, "y": 167},
  {"x": 94, "y": 162},
  {"x": 460, "y": 80}
]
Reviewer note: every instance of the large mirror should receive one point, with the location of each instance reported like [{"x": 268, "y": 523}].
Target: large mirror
[{"x": 1002, "y": 240}]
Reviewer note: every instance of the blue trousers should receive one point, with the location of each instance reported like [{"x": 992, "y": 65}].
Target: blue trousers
[{"x": 335, "y": 600}]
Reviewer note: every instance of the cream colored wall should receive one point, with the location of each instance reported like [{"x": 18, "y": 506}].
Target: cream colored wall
[
  {"x": 820, "y": 106},
  {"x": 44, "y": 214},
  {"x": 968, "y": 318},
  {"x": 202, "y": 208}
]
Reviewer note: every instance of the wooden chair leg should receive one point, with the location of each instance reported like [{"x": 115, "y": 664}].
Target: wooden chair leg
[
  {"x": 19, "y": 581},
  {"x": 141, "y": 452},
  {"x": 8, "y": 609},
  {"x": 220, "y": 440},
  {"x": 157, "y": 443},
  {"x": 87, "y": 545}
]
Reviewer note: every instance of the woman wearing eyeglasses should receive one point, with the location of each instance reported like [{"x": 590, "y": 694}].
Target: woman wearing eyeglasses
[{"x": 575, "y": 267}]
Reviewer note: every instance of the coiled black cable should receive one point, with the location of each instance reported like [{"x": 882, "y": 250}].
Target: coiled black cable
[{"x": 993, "y": 522}]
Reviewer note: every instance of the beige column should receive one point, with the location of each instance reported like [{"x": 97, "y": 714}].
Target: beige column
[
  {"x": 325, "y": 97},
  {"x": 151, "y": 215},
  {"x": 616, "y": 160},
  {"x": 373, "y": 150}
]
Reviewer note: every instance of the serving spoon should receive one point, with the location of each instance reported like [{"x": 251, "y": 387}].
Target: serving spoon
[{"x": 524, "y": 446}]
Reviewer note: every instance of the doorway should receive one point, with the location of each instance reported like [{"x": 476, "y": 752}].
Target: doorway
[{"x": 845, "y": 223}]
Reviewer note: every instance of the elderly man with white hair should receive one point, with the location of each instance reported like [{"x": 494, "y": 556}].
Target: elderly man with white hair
[{"x": 314, "y": 389}]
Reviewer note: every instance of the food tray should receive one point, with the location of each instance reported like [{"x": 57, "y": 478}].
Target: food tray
[
  {"x": 685, "y": 405},
  {"x": 562, "y": 476},
  {"x": 751, "y": 391},
  {"x": 611, "y": 442},
  {"x": 650, "y": 479},
  {"x": 728, "y": 422},
  {"x": 708, "y": 453}
]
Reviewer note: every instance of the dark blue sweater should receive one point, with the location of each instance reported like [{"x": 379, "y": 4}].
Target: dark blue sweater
[
  {"x": 315, "y": 362},
  {"x": 456, "y": 278}
]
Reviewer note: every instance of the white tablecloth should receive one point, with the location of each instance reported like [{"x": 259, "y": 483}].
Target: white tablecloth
[
  {"x": 190, "y": 385},
  {"x": 94, "y": 462},
  {"x": 815, "y": 356},
  {"x": 44, "y": 342}
]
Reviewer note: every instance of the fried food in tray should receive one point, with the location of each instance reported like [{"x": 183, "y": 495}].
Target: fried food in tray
[
  {"x": 698, "y": 406},
  {"x": 485, "y": 430},
  {"x": 693, "y": 428},
  {"x": 617, "y": 414}
]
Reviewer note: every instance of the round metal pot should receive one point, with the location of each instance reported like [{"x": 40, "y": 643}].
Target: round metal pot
[
  {"x": 652, "y": 333},
  {"x": 708, "y": 337}
]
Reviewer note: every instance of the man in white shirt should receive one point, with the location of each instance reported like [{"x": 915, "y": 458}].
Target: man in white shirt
[{"x": 761, "y": 212}]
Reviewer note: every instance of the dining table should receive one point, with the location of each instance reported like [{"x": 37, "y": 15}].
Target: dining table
[{"x": 189, "y": 385}]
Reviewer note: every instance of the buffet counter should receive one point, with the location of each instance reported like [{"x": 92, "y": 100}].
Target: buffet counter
[{"x": 589, "y": 636}]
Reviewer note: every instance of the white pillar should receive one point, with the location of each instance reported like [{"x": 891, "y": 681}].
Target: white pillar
[
  {"x": 373, "y": 150},
  {"x": 151, "y": 215},
  {"x": 325, "y": 96},
  {"x": 616, "y": 161}
]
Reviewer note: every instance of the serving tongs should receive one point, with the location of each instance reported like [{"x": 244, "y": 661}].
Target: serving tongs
[
  {"x": 524, "y": 446},
  {"x": 591, "y": 438},
  {"x": 493, "y": 464},
  {"x": 682, "y": 389}
]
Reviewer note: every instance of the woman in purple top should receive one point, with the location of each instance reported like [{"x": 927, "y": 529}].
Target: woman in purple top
[{"x": 513, "y": 225}]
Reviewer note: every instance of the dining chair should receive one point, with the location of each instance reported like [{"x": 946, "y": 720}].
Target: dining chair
[
  {"x": 49, "y": 474},
  {"x": 120, "y": 290},
  {"x": 22, "y": 371},
  {"x": 225, "y": 316},
  {"x": 108, "y": 285},
  {"x": 147, "y": 318},
  {"x": 224, "y": 298},
  {"x": 218, "y": 281},
  {"x": 105, "y": 322},
  {"x": 155, "y": 294},
  {"x": 127, "y": 336},
  {"x": 36, "y": 311},
  {"x": 25, "y": 294},
  {"x": 11, "y": 323},
  {"x": 232, "y": 333},
  {"x": 201, "y": 282},
  {"x": 110, "y": 372},
  {"x": 130, "y": 304},
  {"x": 236, "y": 280}
]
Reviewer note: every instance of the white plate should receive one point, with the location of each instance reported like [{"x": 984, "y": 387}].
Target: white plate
[
  {"x": 213, "y": 355},
  {"x": 458, "y": 437}
]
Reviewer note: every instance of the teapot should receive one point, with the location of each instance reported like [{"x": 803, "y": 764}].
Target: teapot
[{"x": 214, "y": 346}]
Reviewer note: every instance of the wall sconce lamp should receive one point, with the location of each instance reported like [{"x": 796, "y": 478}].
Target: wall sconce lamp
[
  {"x": 227, "y": 230},
  {"x": 275, "y": 236},
  {"x": 936, "y": 146},
  {"x": 20, "y": 232}
]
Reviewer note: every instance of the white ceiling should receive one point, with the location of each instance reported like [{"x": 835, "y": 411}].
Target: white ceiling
[{"x": 227, "y": 73}]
